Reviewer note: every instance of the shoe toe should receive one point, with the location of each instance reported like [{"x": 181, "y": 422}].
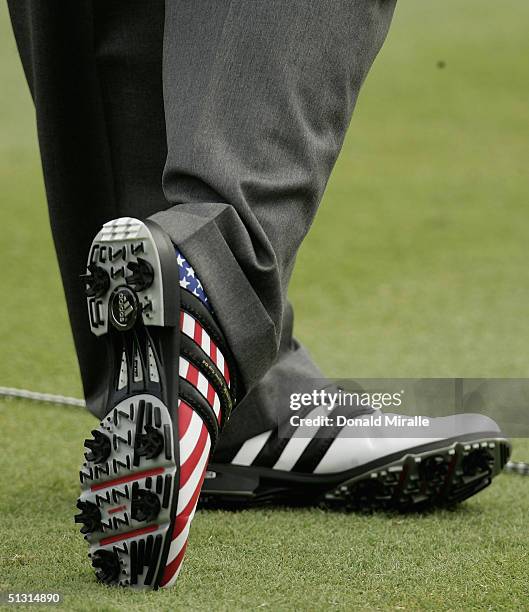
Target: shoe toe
[{"x": 463, "y": 424}]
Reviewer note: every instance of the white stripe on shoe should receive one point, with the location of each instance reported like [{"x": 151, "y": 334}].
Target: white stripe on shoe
[
  {"x": 251, "y": 448},
  {"x": 190, "y": 438},
  {"x": 178, "y": 543},
  {"x": 188, "y": 325},
  {"x": 186, "y": 492}
]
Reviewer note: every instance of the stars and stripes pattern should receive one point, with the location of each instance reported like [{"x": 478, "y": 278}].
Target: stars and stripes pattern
[
  {"x": 192, "y": 328},
  {"x": 189, "y": 280},
  {"x": 194, "y": 438},
  {"x": 193, "y": 375}
]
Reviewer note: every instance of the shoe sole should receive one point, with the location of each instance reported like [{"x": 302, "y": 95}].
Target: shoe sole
[
  {"x": 429, "y": 476},
  {"x": 130, "y": 479}
]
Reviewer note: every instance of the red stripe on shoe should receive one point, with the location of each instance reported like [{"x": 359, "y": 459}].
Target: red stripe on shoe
[
  {"x": 125, "y": 536},
  {"x": 179, "y": 526},
  {"x": 197, "y": 336},
  {"x": 174, "y": 566},
  {"x": 128, "y": 478},
  {"x": 192, "y": 375},
  {"x": 185, "y": 413},
  {"x": 213, "y": 352}
]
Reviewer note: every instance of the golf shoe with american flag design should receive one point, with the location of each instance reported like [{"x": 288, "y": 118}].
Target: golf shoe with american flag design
[{"x": 169, "y": 390}]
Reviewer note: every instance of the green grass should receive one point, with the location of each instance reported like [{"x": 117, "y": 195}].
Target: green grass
[{"x": 424, "y": 230}]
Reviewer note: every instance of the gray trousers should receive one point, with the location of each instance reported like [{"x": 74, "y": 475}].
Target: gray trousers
[{"x": 220, "y": 119}]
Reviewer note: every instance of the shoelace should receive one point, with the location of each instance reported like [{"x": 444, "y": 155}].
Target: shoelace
[{"x": 513, "y": 467}]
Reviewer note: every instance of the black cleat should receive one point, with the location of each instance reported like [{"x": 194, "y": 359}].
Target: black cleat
[
  {"x": 97, "y": 281},
  {"x": 145, "y": 505},
  {"x": 99, "y": 446},
  {"x": 107, "y": 566},
  {"x": 90, "y": 516},
  {"x": 149, "y": 444},
  {"x": 479, "y": 461},
  {"x": 434, "y": 469},
  {"x": 142, "y": 275}
]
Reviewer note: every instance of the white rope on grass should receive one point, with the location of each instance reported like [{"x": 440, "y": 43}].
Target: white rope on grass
[
  {"x": 517, "y": 467},
  {"x": 513, "y": 467},
  {"x": 42, "y": 397}
]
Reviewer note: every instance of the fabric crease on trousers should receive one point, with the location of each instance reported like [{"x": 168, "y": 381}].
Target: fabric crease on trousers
[{"x": 220, "y": 120}]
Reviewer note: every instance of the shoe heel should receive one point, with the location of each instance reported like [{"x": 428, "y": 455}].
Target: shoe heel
[{"x": 131, "y": 274}]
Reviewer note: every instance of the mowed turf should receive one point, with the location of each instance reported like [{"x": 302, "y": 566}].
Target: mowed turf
[{"x": 416, "y": 266}]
